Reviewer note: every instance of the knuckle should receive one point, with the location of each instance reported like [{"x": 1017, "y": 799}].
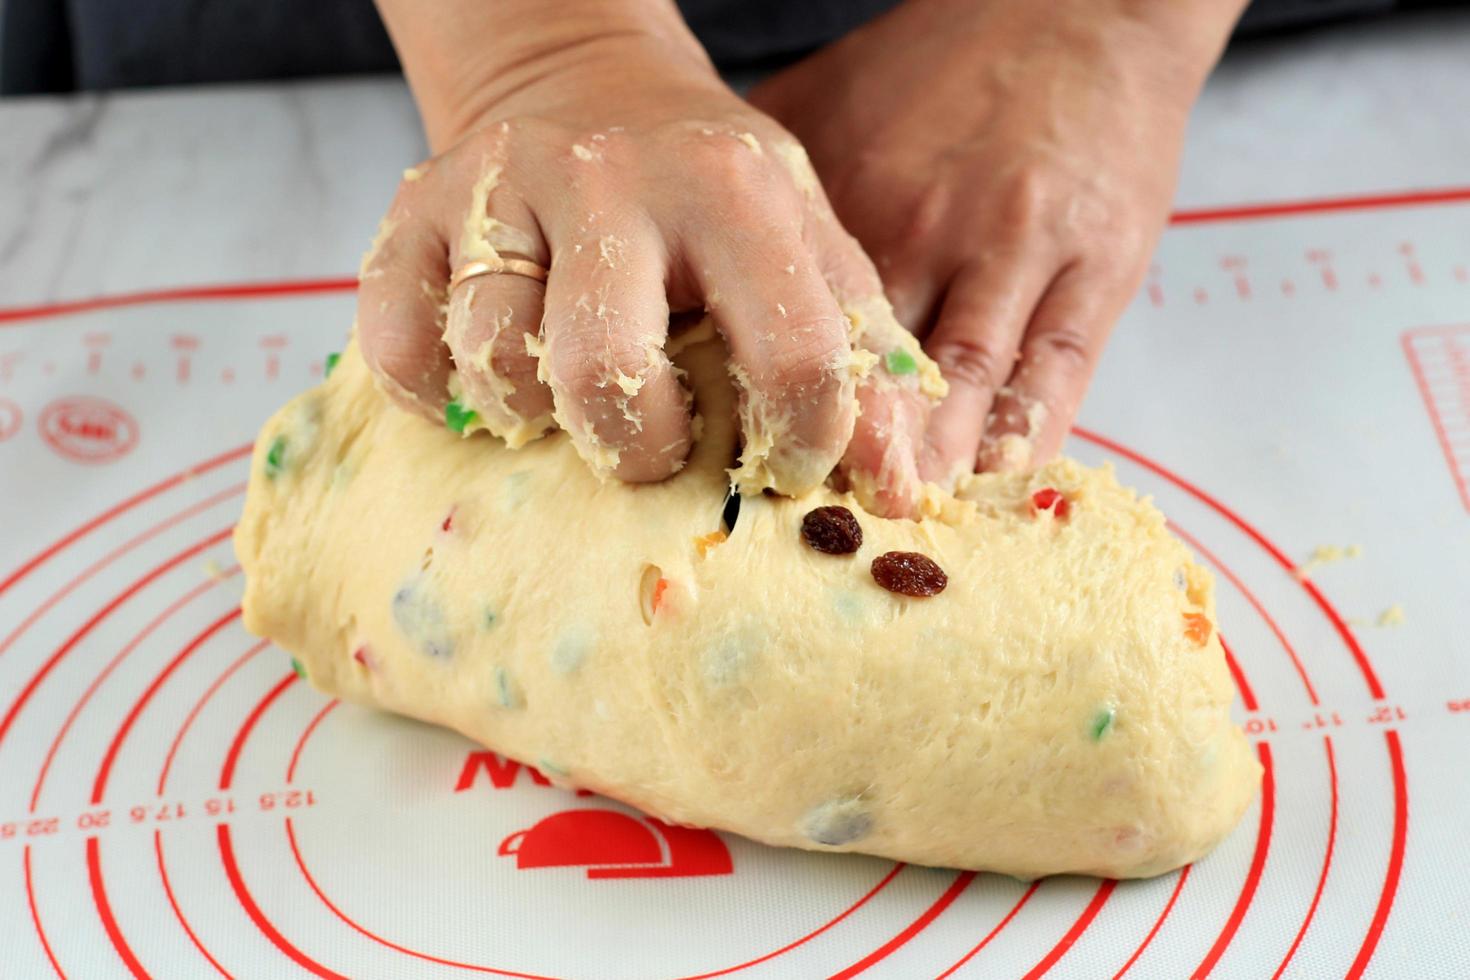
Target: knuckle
[
  {"x": 977, "y": 361},
  {"x": 928, "y": 215},
  {"x": 591, "y": 370},
  {"x": 806, "y": 354},
  {"x": 1069, "y": 346},
  {"x": 724, "y": 163},
  {"x": 1025, "y": 203},
  {"x": 398, "y": 358}
]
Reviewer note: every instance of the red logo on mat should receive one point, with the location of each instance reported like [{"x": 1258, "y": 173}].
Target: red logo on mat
[
  {"x": 10, "y": 416},
  {"x": 88, "y": 430},
  {"x": 614, "y": 845}
]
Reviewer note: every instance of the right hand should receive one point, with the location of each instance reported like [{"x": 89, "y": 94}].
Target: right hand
[{"x": 645, "y": 186}]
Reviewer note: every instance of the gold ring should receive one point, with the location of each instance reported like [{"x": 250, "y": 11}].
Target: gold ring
[{"x": 496, "y": 266}]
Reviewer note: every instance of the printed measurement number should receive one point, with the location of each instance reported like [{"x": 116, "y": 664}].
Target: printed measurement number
[{"x": 158, "y": 813}]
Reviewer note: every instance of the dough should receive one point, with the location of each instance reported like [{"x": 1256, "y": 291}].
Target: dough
[{"x": 1062, "y": 706}]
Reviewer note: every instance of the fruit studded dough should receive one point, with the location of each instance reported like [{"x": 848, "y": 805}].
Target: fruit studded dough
[{"x": 1062, "y": 706}]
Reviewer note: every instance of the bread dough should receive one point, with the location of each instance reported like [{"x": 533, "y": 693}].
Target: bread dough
[{"x": 1063, "y": 706}]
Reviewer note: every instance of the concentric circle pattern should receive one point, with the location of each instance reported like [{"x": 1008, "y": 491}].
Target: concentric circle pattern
[{"x": 175, "y": 801}]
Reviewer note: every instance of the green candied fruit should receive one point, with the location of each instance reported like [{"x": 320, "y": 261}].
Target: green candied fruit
[
  {"x": 1102, "y": 722},
  {"x": 505, "y": 690},
  {"x": 459, "y": 418},
  {"x": 331, "y": 364},
  {"x": 900, "y": 361},
  {"x": 275, "y": 457},
  {"x": 297, "y": 666}
]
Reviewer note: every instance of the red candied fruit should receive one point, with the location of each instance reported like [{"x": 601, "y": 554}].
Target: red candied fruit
[
  {"x": 1197, "y": 628},
  {"x": 1052, "y": 499}
]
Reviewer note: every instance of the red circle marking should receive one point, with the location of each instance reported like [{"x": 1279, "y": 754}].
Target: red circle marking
[
  {"x": 36, "y": 917},
  {"x": 104, "y": 912},
  {"x": 1099, "y": 899},
  {"x": 232, "y": 757},
  {"x": 142, "y": 496},
  {"x": 1395, "y": 857},
  {"x": 944, "y": 901},
  {"x": 227, "y": 847},
  {"x": 306, "y": 734},
  {"x": 1370, "y": 677},
  {"x": 99, "y": 786},
  {"x": 295, "y": 852},
  {"x": 247, "y": 902},
  {"x": 291, "y": 774},
  {"x": 163, "y": 780},
  {"x": 1250, "y": 597},
  {"x": 1158, "y": 924},
  {"x": 178, "y": 912},
  {"x": 106, "y": 672},
  {"x": 1253, "y": 876},
  {"x": 71, "y": 642},
  {"x": 85, "y": 429},
  {"x": 1326, "y": 861},
  {"x": 882, "y": 884},
  {"x": 1247, "y": 696},
  {"x": 10, "y": 418},
  {"x": 112, "y": 556},
  {"x": 219, "y": 682},
  {"x": 1026, "y": 897}
]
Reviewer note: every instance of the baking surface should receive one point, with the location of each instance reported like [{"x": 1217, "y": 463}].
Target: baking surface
[{"x": 175, "y": 802}]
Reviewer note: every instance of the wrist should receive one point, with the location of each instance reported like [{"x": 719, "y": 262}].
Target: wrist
[
  {"x": 1193, "y": 34},
  {"x": 469, "y": 62}
]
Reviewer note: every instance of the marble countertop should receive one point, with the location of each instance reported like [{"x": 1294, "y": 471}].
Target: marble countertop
[{"x": 139, "y": 190}]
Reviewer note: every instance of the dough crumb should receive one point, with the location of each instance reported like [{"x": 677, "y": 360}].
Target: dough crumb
[
  {"x": 1327, "y": 554},
  {"x": 413, "y": 174},
  {"x": 1392, "y": 616},
  {"x": 749, "y": 140},
  {"x": 582, "y": 153}
]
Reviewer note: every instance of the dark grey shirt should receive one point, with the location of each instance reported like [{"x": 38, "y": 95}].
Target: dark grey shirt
[{"x": 64, "y": 45}]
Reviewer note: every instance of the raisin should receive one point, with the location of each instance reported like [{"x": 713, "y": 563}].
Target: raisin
[
  {"x": 1049, "y": 498},
  {"x": 832, "y": 530},
  {"x": 909, "y": 573}
]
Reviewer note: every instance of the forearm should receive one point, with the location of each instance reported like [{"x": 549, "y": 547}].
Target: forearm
[
  {"x": 464, "y": 57},
  {"x": 1182, "y": 38}
]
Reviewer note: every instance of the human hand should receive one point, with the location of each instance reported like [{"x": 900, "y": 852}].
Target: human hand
[
  {"x": 1009, "y": 166},
  {"x": 646, "y": 186}
]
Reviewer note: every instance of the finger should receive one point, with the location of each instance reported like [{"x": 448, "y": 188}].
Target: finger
[
  {"x": 896, "y": 393},
  {"x": 789, "y": 352},
  {"x": 974, "y": 341},
  {"x": 881, "y": 460},
  {"x": 491, "y": 316},
  {"x": 607, "y": 318},
  {"x": 400, "y": 304},
  {"x": 1034, "y": 411}
]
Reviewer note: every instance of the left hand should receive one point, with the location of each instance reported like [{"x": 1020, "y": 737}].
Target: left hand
[{"x": 1009, "y": 166}]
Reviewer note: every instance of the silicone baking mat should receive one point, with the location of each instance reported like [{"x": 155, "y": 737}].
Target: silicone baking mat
[{"x": 175, "y": 802}]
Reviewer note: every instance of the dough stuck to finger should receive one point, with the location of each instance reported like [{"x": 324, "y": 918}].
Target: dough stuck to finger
[{"x": 1029, "y": 681}]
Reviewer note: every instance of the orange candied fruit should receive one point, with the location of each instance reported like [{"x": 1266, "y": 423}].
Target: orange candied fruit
[
  {"x": 1197, "y": 628},
  {"x": 658, "y": 593},
  {"x": 706, "y": 543},
  {"x": 1052, "y": 499}
]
